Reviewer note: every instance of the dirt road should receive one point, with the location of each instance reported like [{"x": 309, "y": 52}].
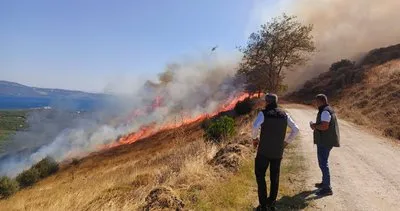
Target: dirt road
[{"x": 365, "y": 170}]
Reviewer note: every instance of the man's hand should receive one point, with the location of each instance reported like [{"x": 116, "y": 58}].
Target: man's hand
[
  {"x": 313, "y": 126},
  {"x": 255, "y": 142}
]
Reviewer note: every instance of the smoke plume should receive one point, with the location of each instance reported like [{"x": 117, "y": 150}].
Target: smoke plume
[
  {"x": 185, "y": 89},
  {"x": 344, "y": 29}
]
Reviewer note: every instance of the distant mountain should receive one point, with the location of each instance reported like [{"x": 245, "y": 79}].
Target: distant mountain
[
  {"x": 17, "y": 96},
  {"x": 8, "y": 88}
]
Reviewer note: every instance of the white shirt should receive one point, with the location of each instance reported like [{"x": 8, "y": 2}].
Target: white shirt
[
  {"x": 260, "y": 119},
  {"x": 326, "y": 116}
]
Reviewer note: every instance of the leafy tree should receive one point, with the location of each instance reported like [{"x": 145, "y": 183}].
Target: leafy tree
[{"x": 278, "y": 46}]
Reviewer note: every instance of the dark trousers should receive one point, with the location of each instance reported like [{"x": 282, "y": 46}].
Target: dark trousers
[
  {"x": 261, "y": 166},
  {"x": 323, "y": 155}
]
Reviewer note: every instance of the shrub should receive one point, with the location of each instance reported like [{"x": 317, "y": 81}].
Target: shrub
[
  {"x": 28, "y": 177},
  {"x": 46, "y": 167},
  {"x": 244, "y": 107},
  {"x": 341, "y": 64},
  {"x": 221, "y": 128},
  {"x": 7, "y": 187},
  {"x": 206, "y": 123},
  {"x": 75, "y": 161}
]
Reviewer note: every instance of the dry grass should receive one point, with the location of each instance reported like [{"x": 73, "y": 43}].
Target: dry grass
[
  {"x": 121, "y": 178},
  {"x": 292, "y": 189},
  {"x": 367, "y": 95},
  {"x": 238, "y": 191},
  {"x": 117, "y": 179},
  {"x": 373, "y": 102}
]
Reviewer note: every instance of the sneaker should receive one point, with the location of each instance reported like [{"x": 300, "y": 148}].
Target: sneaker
[
  {"x": 319, "y": 185},
  {"x": 324, "y": 192}
]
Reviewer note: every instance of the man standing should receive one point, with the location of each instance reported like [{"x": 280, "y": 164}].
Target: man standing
[
  {"x": 273, "y": 122},
  {"x": 326, "y": 136}
]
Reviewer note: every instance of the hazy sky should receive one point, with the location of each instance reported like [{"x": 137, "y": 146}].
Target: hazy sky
[{"x": 85, "y": 45}]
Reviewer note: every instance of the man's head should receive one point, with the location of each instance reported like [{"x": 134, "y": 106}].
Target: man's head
[
  {"x": 271, "y": 99},
  {"x": 320, "y": 100}
]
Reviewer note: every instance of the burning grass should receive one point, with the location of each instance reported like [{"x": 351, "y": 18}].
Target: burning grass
[
  {"x": 151, "y": 129},
  {"x": 121, "y": 178}
]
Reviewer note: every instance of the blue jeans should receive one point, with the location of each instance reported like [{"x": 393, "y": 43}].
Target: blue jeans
[{"x": 323, "y": 155}]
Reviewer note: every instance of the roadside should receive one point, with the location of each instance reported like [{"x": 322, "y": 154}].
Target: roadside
[
  {"x": 239, "y": 190},
  {"x": 364, "y": 170}
]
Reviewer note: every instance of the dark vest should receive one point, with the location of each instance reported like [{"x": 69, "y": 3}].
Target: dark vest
[
  {"x": 331, "y": 136},
  {"x": 273, "y": 132}
]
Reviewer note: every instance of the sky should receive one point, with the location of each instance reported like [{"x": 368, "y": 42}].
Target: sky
[{"x": 86, "y": 45}]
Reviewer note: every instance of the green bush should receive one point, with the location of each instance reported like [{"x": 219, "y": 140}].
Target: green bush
[
  {"x": 244, "y": 107},
  {"x": 223, "y": 127},
  {"x": 46, "y": 167},
  {"x": 7, "y": 187},
  {"x": 28, "y": 177}
]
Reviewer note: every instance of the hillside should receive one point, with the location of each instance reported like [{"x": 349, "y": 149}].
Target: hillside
[
  {"x": 368, "y": 92},
  {"x": 18, "y": 96},
  {"x": 174, "y": 169},
  {"x": 8, "y": 88}
]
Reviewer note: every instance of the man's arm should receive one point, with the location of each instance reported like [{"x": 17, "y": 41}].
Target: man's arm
[
  {"x": 256, "y": 127},
  {"x": 257, "y": 124},
  {"x": 294, "y": 130},
  {"x": 325, "y": 119}
]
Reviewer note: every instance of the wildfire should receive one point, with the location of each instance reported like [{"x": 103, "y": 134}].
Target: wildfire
[{"x": 151, "y": 129}]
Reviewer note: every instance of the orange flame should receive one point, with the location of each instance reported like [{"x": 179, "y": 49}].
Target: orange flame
[{"x": 151, "y": 129}]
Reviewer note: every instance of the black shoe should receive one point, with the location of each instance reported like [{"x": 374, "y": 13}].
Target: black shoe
[
  {"x": 261, "y": 208},
  {"x": 272, "y": 208},
  {"x": 271, "y": 205},
  {"x": 324, "y": 192},
  {"x": 319, "y": 185}
]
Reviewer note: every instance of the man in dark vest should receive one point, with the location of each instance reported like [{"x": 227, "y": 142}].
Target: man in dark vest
[
  {"x": 326, "y": 136},
  {"x": 273, "y": 123}
]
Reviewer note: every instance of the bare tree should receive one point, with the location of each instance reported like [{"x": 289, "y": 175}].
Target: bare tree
[{"x": 277, "y": 47}]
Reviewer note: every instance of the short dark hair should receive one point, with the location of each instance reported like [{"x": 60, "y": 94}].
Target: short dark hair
[
  {"x": 322, "y": 98},
  {"x": 271, "y": 98}
]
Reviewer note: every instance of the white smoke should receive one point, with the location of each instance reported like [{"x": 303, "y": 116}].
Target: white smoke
[
  {"x": 342, "y": 28},
  {"x": 197, "y": 87}
]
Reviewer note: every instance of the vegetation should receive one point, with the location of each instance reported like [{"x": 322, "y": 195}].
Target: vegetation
[
  {"x": 7, "y": 187},
  {"x": 10, "y": 122},
  {"x": 239, "y": 191},
  {"x": 344, "y": 63},
  {"x": 122, "y": 178},
  {"x": 28, "y": 177},
  {"x": 364, "y": 93},
  {"x": 223, "y": 127},
  {"x": 277, "y": 47},
  {"x": 236, "y": 193},
  {"x": 46, "y": 167},
  {"x": 244, "y": 107},
  {"x": 40, "y": 170}
]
